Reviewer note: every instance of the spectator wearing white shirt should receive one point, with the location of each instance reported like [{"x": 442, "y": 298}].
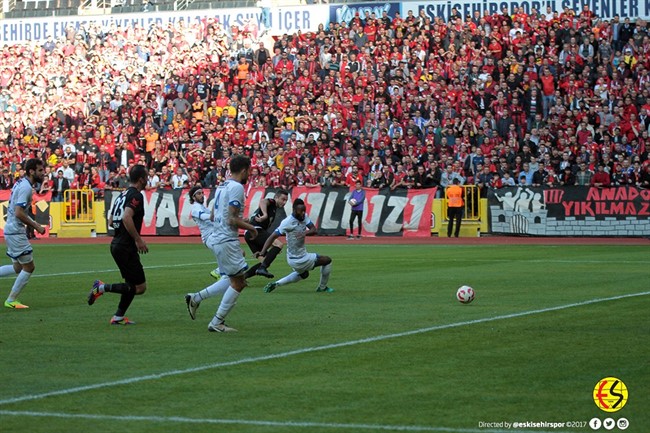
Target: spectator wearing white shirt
[
  {"x": 68, "y": 172},
  {"x": 179, "y": 179}
]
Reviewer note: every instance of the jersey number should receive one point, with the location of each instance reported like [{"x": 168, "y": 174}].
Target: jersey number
[
  {"x": 118, "y": 210},
  {"x": 217, "y": 216}
]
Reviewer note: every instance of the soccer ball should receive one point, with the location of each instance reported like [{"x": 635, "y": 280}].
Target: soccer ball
[
  {"x": 465, "y": 294},
  {"x": 353, "y": 201}
]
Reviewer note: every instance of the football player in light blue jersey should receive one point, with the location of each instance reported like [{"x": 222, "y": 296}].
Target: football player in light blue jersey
[
  {"x": 296, "y": 227},
  {"x": 18, "y": 247},
  {"x": 201, "y": 216},
  {"x": 227, "y": 215}
]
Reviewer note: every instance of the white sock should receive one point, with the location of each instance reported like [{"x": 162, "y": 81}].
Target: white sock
[
  {"x": 227, "y": 303},
  {"x": 7, "y": 270},
  {"x": 21, "y": 281},
  {"x": 218, "y": 288},
  {"x": 325, "y": 275},
  {"x": 293, "y": 277}
]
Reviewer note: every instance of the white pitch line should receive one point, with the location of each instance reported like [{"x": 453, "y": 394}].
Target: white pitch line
[
  {"x": 155, "y": 376},
  {"x": 301, "y": 424}
]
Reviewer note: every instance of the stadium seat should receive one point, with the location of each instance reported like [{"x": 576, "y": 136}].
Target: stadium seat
[
  {"x": 198, "y": 5},
  {"x": 16, "y": 13},
  {"x": 66, "y": 12},
  {"x": 167, "y": 6},
  {"x": 31, "y": 13}
]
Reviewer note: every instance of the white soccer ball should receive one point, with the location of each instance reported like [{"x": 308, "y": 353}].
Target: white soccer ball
[
  {"x": 353, "y": 201},
  {"x": 465, "y": 294}
]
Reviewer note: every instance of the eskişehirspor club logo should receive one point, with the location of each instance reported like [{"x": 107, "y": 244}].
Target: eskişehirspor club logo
[{"x": 610, "y": 394}]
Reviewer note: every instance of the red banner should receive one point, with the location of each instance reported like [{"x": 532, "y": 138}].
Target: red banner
[{"x": 387, "y": 213}]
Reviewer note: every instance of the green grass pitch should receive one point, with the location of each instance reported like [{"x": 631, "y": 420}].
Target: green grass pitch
[{"x": 390, "y": 350}]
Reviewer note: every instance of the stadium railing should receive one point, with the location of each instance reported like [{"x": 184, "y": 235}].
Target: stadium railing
[
  {"x": 471, "y": 207},
  {"x": 78, "y": 206}
]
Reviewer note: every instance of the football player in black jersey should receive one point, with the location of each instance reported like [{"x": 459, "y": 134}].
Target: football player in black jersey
[
  {"x": 126, "y": 217},
  {"x": 263, "y": 219}
]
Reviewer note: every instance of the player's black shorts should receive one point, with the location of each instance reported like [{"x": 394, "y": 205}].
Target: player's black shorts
[
  {"x": 257, "y": 244},
  {"x": 128, "y": 261}
]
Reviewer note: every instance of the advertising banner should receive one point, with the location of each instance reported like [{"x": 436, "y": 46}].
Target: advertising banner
[
  {"x": 281, "y": 20},
  {"x": 605, "y": 9}
]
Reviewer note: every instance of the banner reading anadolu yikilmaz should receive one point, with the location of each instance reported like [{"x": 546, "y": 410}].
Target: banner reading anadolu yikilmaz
[{"x": 570, "y": 211}]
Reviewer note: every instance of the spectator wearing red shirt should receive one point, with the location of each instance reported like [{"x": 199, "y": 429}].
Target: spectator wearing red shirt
[{"x": 601, "y": 178}]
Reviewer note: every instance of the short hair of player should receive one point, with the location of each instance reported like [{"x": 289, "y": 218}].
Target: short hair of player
[
  {"x": 298, "y": 202},
  {"x": 33, "y": 164},
  {"x": 281, "y": 192},
  {"x": 137, "y": 172},
  {"x": 239, "y": 163}
]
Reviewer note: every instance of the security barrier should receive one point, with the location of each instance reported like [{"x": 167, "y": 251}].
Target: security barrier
[
  {"x": 78, "y": 206},
  {"x": 471, "y": 204}
]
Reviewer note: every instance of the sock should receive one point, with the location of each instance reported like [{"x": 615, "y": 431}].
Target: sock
[
  {"x": 227, "y": 303},
  {"x": 251, "y": 271},
  {"x": 293, "y": 277},
  {"x": 271, "y": 254},
  {"x": 325, "y": 275},
  {"x": 116, "y": 288},
  {"x": 125, "y": 301},
  {"x": 21, "y": 281},
  {"x": 7, "y": 270},
  {"x": 215, "y": 289}
]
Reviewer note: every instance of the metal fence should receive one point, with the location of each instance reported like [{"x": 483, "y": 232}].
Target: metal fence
[
  {"x": 471, "y": 207},
  {"x": 78, "y": 206}
]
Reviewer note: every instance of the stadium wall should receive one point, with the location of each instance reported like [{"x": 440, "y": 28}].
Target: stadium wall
[{"x": 304, "y": 18}]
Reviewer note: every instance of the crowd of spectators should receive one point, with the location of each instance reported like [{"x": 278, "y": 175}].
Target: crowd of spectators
[{"x": 513, "y": 98}]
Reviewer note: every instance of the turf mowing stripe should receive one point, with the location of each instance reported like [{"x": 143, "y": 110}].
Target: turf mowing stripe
[
  {"x": 177, "y": 265},
  {"x": 176, "y": 419},
  {"x": 309, "y": 350},
  {"x": 181, "y": 265},
  {"x": 571, "y": 262}
]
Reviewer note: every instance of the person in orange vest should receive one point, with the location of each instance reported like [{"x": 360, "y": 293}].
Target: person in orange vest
[{"x": 454, "y": 196}]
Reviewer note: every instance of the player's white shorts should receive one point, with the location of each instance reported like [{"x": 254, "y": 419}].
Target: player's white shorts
[
  {"x": 19, "y": 248},
  {"x": 229, "y": 256},
  {"x": 303, "y": 264}
]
